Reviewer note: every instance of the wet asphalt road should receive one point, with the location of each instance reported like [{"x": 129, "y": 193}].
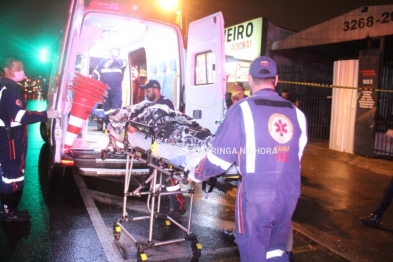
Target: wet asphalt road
[
  {"x": 62, "y": 228},
  {"x": 72, "y": 220}
]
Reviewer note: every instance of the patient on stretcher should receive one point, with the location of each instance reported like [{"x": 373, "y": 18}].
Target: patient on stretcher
[{"x": 170, "y": 127}]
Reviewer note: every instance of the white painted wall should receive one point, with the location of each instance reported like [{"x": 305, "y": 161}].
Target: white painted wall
[{"x": 344, "y": 105}]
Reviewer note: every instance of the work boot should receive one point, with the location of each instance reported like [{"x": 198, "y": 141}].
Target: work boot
[
  {"x": 373, "y": 220},
  {"x": 229, "y": 235},
  {"x": 16, "y": 216},
  {"x": 175, "y": 214}
]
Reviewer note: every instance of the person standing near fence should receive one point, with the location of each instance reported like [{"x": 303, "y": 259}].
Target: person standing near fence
[{"x": 374, "y": 219}]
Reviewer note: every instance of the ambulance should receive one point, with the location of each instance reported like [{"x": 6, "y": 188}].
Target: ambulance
[{"x": 190, "y": 70}]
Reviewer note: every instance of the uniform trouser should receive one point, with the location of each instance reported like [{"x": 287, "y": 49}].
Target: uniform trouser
[
  {"x": 10, "y": 201},
  {"x": 262, "y": 228},
  {"x": 113, "y": 101},
  {"x": 386, "y": 200},
  {"x": 12, "y": 159}
]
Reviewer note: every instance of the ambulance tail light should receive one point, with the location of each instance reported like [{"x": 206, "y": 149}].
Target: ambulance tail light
[{"x": 67, "y": 162}]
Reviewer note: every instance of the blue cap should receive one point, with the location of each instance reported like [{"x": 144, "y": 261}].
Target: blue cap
[
  {"x": 151, "y": 83},
  {"x": 263, "y": 67}
]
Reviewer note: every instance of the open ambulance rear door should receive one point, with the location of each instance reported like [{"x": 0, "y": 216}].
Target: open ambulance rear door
[
  {"x": 57, "y": 97},
  {"x": 205, "y": 80}
]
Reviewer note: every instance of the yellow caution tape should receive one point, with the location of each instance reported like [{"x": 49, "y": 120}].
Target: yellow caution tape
[{"x": 332, "y": 86}]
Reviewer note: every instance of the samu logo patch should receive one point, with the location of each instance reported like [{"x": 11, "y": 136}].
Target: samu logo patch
[{"x": 280, "y": 128}]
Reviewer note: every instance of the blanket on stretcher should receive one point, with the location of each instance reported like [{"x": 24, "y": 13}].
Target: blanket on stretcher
[{"x": 170, "y": 127}]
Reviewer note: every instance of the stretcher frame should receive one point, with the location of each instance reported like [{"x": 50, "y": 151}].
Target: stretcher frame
[{"x": 160, "y": 167}]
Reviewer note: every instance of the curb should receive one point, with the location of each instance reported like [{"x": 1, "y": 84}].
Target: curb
[{"x": 376, "y": 165}]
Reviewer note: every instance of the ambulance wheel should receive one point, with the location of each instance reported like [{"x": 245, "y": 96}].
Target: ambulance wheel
[
  {"x": 116, "y": 232},
  {"x": 44, "y": 132},
  {"x": 56, "y": 174},
  {"x": 104, "y": 154},
  {"x": 47, "y": 169},
  {"x": 141, "y": 256},
  {"x": 196, "y": 249},
  {"x": 56, "y": 171}
]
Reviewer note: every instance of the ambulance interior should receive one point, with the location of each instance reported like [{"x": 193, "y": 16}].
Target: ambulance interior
[{"x": 151, "y": 50}]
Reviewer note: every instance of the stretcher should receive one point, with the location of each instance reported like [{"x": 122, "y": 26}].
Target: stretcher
[{"x": 165, "y": 161}]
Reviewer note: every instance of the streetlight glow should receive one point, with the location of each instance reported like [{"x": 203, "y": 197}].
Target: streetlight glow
[
  {"x": 43, "y": 55},
  {"x": 168, "y": 4}
]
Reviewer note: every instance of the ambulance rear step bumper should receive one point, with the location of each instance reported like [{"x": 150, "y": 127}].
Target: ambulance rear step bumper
[
  {"x": 85, "y": 171},
  {"x": 92, "y": 159}
]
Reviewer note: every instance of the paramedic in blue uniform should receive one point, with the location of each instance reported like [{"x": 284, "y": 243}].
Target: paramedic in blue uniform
[
  {"x": 110, "y": 71},
  {"x": 14, "y": 118},
  {"x": 152, "y": 90},
  {"x": 265, "y": 136}
]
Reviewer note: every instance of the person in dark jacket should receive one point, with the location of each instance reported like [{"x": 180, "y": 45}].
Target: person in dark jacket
[
  {"x": 152, "y": 90},
  {"x": 374, "y": 219},
  {"x": 110, "y": 71},
  {"x": 265, "y": 136},
  {"x": 14, "y": 118}
]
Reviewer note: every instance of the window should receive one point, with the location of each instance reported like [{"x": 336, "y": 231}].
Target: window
[{"x": 205, "y": 68}]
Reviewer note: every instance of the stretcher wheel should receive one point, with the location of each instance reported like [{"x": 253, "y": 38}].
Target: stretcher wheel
[
  {"x": 196, "y": 249},
  {"x": 141, "y": 256},
  {"x": 103, "y": 154},
  {"x": 116, "y": 232}
]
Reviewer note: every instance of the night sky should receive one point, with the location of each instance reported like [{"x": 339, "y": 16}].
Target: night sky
[{"x": 28, "y": 25}]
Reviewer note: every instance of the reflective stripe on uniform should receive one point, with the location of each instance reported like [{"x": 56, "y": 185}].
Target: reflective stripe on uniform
[
  {"x": 109, "y": 70},
  {"x": 109, "y": 111},
  {"x": 9, "y": 181},
  {"x": 12, "y": 123},
  {"x": 97, "y": 73},
  {"x": 274, "y": 253},
  {"x": 250, "y": 137},
  {"x": 1, "y": 92},
  {"x": 19, "y": 115},
  {"x": 218, "y": 161}
]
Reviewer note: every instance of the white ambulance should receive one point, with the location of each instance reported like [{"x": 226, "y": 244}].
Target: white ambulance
[{"x": 192, "y": 76}]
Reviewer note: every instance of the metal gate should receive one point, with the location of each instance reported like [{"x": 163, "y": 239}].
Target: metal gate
[
  {"x": 314, "y": 101},
  {"x": 383, "y": 145}
]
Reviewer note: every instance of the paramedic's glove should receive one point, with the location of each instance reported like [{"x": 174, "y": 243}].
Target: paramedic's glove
[
  {"x": 191, "y": 176},
  {"x": 51, "y": 113},
  {"x": 390, "y": 133}
]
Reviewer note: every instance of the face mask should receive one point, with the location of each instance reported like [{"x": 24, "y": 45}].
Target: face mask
[{"x": 19, "y": 76}]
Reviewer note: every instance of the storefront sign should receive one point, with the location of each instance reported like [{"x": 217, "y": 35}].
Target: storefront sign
[{"x": 244, "y": 41}]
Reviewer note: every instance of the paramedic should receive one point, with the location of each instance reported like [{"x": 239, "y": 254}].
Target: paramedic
[
  {"x": 267, "y": 147},
  {"x": 110, "y": 71},
  {"x": 14, "y": 119},
  {"x": 152, "y": 90}
]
